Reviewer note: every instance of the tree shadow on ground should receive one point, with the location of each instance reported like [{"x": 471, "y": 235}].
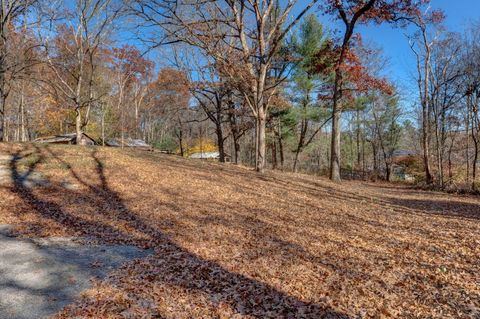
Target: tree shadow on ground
[
  {"x": 433, "y": 203},
  {"x": 439, "y": 207},
  {"x": 432, "y": 206},
  {"x": 173, "y": 265}
]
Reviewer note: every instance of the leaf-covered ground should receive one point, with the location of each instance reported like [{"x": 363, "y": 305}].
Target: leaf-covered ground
[{"x": 233, "y": 244}]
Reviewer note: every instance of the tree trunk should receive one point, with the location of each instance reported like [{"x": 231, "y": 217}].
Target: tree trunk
[
  {"x": 337, "y": 110},
  {"x": 261, "y": 123},
  {"x": 3, "y": 113},
  {"x": 426, "y": 118},
  {"x": 137, "y": 126},
  {"x": 274, "y": 155},
  {"x": 3, "y": 120},
  {"x": 450, "y": 174},
  {"x": 467, "y": 150},
  {"x": 5, "y": 129},
  {"x": 359, "y": 158},
  {"x": 426, "y": 145},
  {"x": 103, "y": 124},
  {"x": 475, "y": 128},
  {"x": 180, "y": 142},
  {"x": 336, "y": 120},
  {"x": 385, "y": 157},
  {"x": 443, "y": 139},
  {"x": 297, "y": 152},
  {"x": 449, "y": 157},
  {"x": 474, "y": 164},
  {"x": 301, "y": 140},
  {"x": 364, "y": 165},
  {"x": 235, "y": 132},
  {"x": 78, "y": 96},
  {"x": 236, "y": 150},
  {"x": 388, "y": 173},
  {"x": 437, "y": 150},
  {"x": 78, "y": 126},
  {"x": 335, "y": 144},
  {"x": 23, "y": 136},
  {"x": 220, "y": 144},
  {"x": 3, "y": 125},
  {"x": 280, "y": 149},
  {"x": 375, "y": 162}
]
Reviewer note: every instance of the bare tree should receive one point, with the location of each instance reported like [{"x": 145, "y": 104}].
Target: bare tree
[
  {"x": 471, "y": 85},
  {"x": 73, "y": 59},
  {"x": 385, "y": 113},
  {"x": 11, "y": 14},
  {"x": 445, "y": 93},
  {"x": 209, "y": 89},
  {"x": 422, "y": 45},
  {"x": 254, "y": 30}
]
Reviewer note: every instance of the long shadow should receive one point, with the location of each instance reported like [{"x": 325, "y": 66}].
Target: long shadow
[
  {"x": 377, "y": 203},
  {"x": 384, "y": 204},
  {"x": 173, "y": 264},
  {"x": 445, "y": 208}
]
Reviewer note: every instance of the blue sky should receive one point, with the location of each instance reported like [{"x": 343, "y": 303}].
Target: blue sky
[
  {"x": 395, "y": 45},
  {"x": 401, "y": 67},
  {"x": 393, "y": 41}
]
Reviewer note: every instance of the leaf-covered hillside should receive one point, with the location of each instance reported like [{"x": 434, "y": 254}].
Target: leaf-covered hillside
[{"x": 229, "y": 243}]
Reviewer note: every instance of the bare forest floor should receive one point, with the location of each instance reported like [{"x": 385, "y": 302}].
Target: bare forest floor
[{"x": 229, "y": 243}]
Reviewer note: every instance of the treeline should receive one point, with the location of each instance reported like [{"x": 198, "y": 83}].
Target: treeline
[{"x": 262, "y": 82}]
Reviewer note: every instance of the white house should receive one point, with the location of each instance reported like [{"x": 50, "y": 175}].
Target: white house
[{"x": 209, "y": 156}]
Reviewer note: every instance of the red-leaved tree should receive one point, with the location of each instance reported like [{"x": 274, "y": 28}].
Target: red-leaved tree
[{"x": 351, "y": 13}]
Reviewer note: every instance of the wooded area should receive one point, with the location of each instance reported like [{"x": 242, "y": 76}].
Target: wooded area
[
  {"x": 239, "y": 159},
  {"x": 263, "y": 81}
]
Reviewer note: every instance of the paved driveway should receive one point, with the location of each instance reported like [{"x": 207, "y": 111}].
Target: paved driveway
[{"x": 39, "y": 277}]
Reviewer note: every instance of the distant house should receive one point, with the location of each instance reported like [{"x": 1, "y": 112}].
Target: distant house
[
  {"x": 66, "y": 139},
  {"x": 215, "y": 156},
  {"x": 403, "y": 153},
  {"x": 400, "y": 173},
  {"x": 128, "y": 142},
  {"x": 402, "y": 161}
]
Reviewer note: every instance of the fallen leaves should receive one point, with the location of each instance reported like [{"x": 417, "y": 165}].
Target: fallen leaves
[{"x": 230, "y": 244}]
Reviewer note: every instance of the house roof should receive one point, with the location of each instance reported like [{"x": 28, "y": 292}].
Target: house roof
[
  {"x": 128, "y": 142},
  {"x": 205, "y": 155},
  {"x": 401, "y": 153},
  {"x": 61, "y": 138}
]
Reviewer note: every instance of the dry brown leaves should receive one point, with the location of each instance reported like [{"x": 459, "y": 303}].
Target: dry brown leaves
[{"x": 229, "y": 243}]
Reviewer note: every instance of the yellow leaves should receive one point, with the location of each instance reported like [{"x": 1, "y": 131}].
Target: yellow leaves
[
  {"x": 201, "y": 145},
  {"x": 52, "y": 120},
  {"x": 49, "y": 100}
]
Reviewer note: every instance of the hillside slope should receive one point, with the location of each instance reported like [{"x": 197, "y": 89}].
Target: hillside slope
[{"x": 230, "y": 243}]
